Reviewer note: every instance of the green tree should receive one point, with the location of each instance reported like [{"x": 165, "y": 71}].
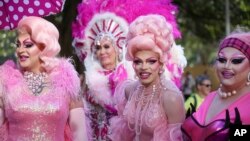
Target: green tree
[
  {"x": 7, "y": 40},
  {"x": 202, "y": 24}
]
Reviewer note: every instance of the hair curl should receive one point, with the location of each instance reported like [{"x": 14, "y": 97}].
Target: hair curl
[
  {"x": 151, "y": 32},
  {"x": 42, "y": 32}
]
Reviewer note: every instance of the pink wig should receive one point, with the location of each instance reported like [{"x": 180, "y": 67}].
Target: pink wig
[
  {"x": 150, "y": 32},
  {"x": 154, "y": 33},
  {"x": 42, "y": 32}
]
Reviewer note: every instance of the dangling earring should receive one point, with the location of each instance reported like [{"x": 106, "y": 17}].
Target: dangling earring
[
  {"x": 135, "y": 76},
  {"x": 248, "y": 79},
  {"x": 161, "y": 71}
]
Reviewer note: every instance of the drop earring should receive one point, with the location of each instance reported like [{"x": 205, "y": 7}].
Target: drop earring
[
  {"x": 248, "y": 79},
  {"x": 161, "y": 71}
]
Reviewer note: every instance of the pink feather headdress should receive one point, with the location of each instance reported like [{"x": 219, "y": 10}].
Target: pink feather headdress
[{"x": 94, "y": 17}]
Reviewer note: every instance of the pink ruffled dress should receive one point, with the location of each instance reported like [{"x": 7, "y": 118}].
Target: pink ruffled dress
[
  {"x": 143, "y": 122},
  {"x": 43, "y": 117},
  {"x": 195, "y": 129}
]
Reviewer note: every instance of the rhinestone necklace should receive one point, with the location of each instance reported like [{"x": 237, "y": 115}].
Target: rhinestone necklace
[{"x": 35, "y": 82}]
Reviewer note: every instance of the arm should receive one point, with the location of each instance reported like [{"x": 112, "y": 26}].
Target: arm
[
  {"x": 173, "y": 105},
  {"x": 1, "y": 105},
  {"x": 1, "y": 112},
  {"x": 77, "y": 121},
  {"x": 176, "y": 113}
]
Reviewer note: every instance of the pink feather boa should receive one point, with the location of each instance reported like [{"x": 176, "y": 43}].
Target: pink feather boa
[{"x": 62, "y": 76}]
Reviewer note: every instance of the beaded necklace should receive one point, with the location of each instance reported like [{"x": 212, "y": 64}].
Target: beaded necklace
[
  {"x": 226, "y": 94},
  {"x": 35, "y": 82},
  {"x": 143, "y": 98}
]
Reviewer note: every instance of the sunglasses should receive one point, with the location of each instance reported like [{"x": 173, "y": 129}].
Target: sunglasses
[{"x": 206, "y": 85}]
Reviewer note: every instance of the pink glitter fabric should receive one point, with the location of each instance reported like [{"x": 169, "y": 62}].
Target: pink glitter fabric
[{"x": 42, "y": 117}]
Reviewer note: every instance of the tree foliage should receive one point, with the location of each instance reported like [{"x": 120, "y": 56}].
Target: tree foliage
[
  {"x": 7, "y": 40},
  {"x": 203, "y": 26}
]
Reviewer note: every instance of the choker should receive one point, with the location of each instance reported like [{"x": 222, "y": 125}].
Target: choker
[
  {"x": 226, "y": 94},
  {"x": 35, "y": 82}
]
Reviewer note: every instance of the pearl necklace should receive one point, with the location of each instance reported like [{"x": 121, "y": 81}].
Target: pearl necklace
[
  {"x": 35, "y": 82},
  {"x": 226, "y": 94},
  {"x": 143, "y": 98}
]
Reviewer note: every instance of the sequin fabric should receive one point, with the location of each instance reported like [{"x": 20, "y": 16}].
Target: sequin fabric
[{"x": 35, "y": 118}]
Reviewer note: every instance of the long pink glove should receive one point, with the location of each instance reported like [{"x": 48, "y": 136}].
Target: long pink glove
[{"x": 77, "y": 121}]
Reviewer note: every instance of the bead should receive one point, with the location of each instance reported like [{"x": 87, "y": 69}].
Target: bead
[
  {"x": 248, "y": 83},
  {"x": 226, "y": 94}
]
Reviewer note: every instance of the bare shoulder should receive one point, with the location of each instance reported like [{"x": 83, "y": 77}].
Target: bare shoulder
[
  {"x": 173, "y": 104},
  {"x": 170, "y": 97},
  {"x": 129, "y": 88}
]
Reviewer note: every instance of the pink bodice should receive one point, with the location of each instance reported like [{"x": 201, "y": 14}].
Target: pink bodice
[
  {"x": 142, "y": 117},
  {"x": 30, "y": 117},
  {"x": 40, "y": 117},
  {"x": 196, "y": 129},
  {"x": 152, "y": 115}
]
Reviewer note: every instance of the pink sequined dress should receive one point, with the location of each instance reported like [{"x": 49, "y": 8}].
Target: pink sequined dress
[
  {"x": 143, "y": 121},
  {"x": 42, "y": 117}
]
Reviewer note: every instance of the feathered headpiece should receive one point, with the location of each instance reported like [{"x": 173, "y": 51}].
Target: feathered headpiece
[
  {"x": 93, "y": 23},
  {"x": 110, "y": 17}
]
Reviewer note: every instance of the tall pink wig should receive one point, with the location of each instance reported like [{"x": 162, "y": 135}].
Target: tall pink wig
[
  {"x": 150, "y": 32},
  {"x": 154, "y": 33},
  {"x": 42, "y": 32}
]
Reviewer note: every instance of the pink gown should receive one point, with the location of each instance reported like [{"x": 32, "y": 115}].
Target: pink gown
[
  {"x": 154, "y": 123},
  {"x": 42, "y": 117},
  {"x": 195, "y": 129}
]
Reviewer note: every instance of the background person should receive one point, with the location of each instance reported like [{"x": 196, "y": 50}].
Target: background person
[
  {"x": 203, "y": 88},
  {"x": 188, "y": 84}
]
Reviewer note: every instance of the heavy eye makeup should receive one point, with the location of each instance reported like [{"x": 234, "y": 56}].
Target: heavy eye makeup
[
  {"x": 27, "y": 44},
  {"x": 233, "y": 60},
  {"x": 106, "y": 46},
  {"x": 237, "y": 60},
  {"x": 221, "y": 60},
  {"x": 151, "y": 61},
  {"x": 148, "y": 61},
  {"x": 97, "y": 47},
  {"x": 137, "y": 61}
]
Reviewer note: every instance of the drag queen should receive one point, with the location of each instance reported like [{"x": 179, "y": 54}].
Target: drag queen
[
  {"x": 99, "y": 40},
  {"x": 39, "y": 96},
  {"x": 228, "y": 106},
  {"x": 152, "y": 108}
]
